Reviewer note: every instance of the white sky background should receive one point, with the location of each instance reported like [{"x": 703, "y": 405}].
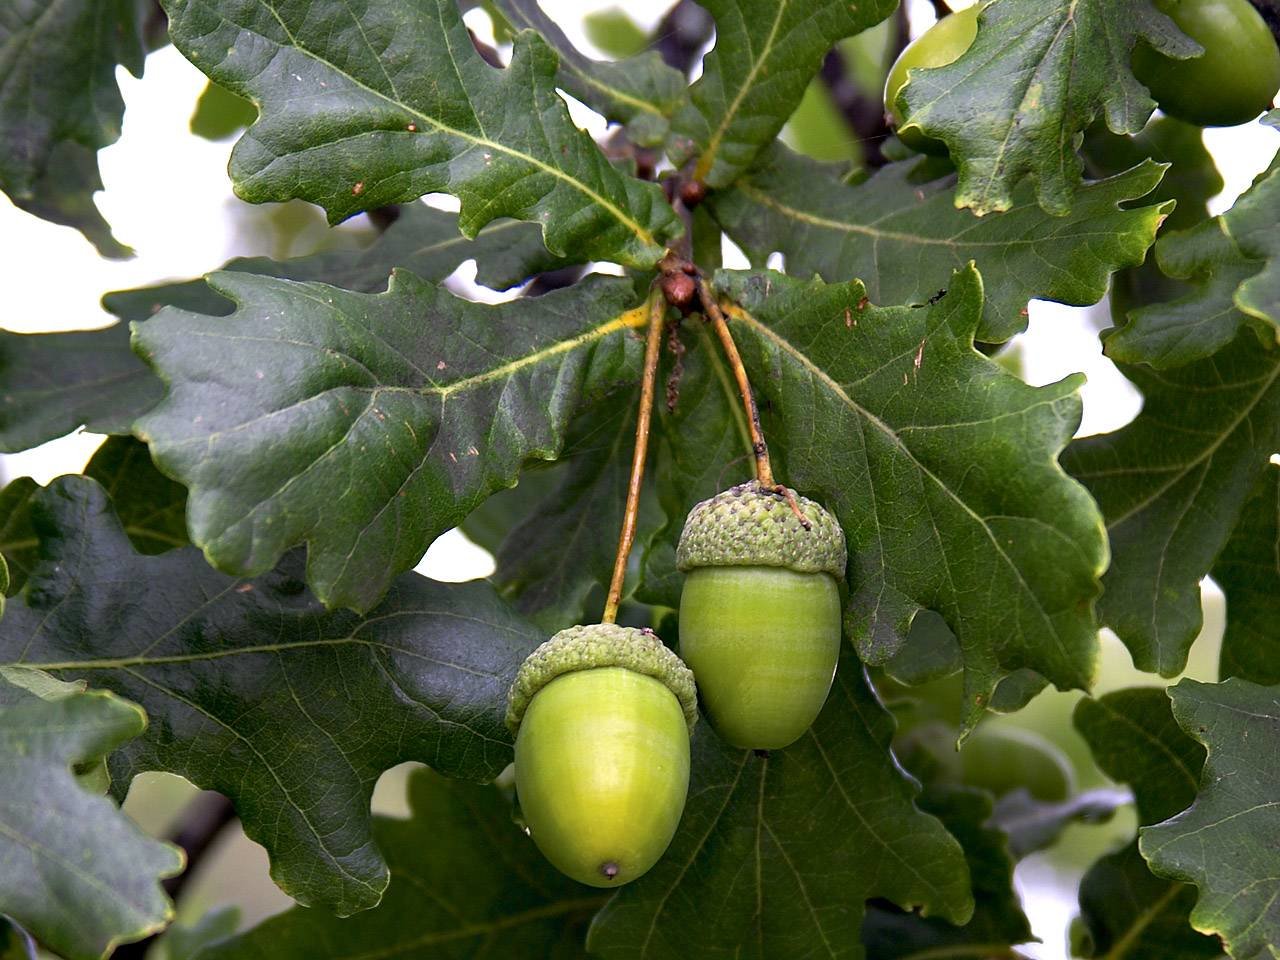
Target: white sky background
[{"x": 167, "y": 195}]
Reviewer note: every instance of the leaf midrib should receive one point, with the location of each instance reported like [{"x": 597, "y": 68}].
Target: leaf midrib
[
  {"x": 844, "y": 226},
  {"x": 533, "y": 915},
  {"x": 144, "y": 660},
  {"x": 631, "y": 319},
  {"x": 1143, "y": 920}
]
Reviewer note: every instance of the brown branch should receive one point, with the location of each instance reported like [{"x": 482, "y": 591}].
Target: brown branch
[
  {"x": 550, "y": 280},
  {"x": 682, "y": 34},
  {"x": 1270, "y": 10},
  {"x": 384, "y": 217},
  {"x": 764, "y": 469},
  {"x": 863, "y": 110},
  {"x": 487, "y": 53},
  {"x": 155, "y": 27},
  {"x": 653, "y": 342}
]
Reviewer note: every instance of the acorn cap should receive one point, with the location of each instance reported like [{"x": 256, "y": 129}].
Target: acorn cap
[
  {"x": 750, "y": 526},
  {"x": 601, "y": 645}
]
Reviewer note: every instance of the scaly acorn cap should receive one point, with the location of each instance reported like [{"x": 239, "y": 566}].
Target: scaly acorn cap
[
  {"x": 751, "y": 526},
  {"x": 586, "y": 647}
]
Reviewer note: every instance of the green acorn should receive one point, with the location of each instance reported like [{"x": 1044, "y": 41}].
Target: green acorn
[
  {"x": 602, "y": 716},
  {"x": 943, "y": 43},
  {"x": 760, "y": 612},
  {"x": 1231, "y": 82}
]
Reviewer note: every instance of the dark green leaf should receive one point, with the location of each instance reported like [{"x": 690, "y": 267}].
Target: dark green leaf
[
  {"x": 399, "y": 104},
  {"x": 220, "y": 113},
  {"x": 1135, "y": 740},
  {"x": 78, "y": 874},
  {"x": 256, "y": 692},
  {"x": 903, "y": 239},
  {"x": 554, "y": 535},
  {"x": 1171, "y": 485},
  {"x": 59, "y": 103},
  {"x": 18, "y": 541},
  {"x": 490, "y": 523},
  {"x": 151, "y": 507},
  {"x": 1034, "y": 79},
  {"x": 708, "y": 239},
  {"x": 185, "y": 941},
  {"x": 383, "y": 421},
  {"x": 941, "y": 468},
  {"x": 1252, "y": 222},
  {"x": 766, "y": 53},
  {"x": 52, "y": 383},
  {"x": 1191, "y": 180},
  {"x": 777, "y": 854},
  {"x": 1233, "y": 264},
  {"x": 641, "y": 92},
  {"x": 998, "y": 921},
  {"x": 565, "y": 545},
  {"x": 930, "y": 652},
  {"x": 1128, "y": 912},
  {"x": 1226, "y": 842},
  {"x": 1248, "y": 570},
  {"x": 1191, "y": 177},
  {"x": 465, "y": 882},
  {"x": 1017, "y": 690},
  {"x": 1032, "y": 824},
  {"x": 702, "y": 447}
]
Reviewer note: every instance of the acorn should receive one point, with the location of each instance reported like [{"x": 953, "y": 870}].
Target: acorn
[
  {"x": 760, "y": 611},
  {"x": 602, "y": 716},
  {"x": 943, "y": 43}
]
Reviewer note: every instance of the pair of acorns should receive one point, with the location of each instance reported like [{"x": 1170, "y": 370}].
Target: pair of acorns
[{"x": 602, "y": 714}]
